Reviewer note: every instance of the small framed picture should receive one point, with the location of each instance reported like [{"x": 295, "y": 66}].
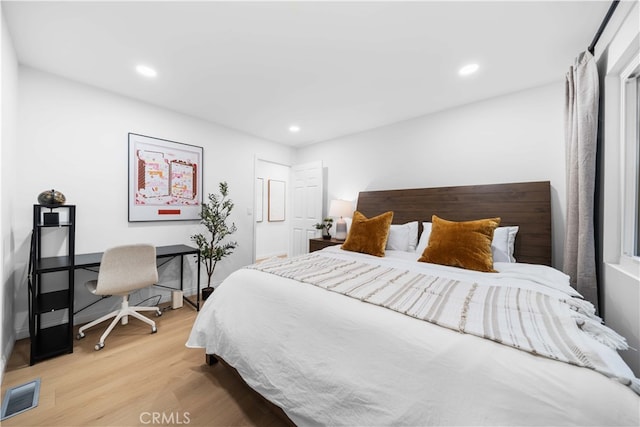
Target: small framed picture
[{"x": 276, "y": 200}]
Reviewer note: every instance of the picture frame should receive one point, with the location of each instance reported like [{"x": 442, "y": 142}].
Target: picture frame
[
  {"x": 259, "y": 199},
  {"x": 276, "y": 201},
  {"x": 165, "y": 180}
]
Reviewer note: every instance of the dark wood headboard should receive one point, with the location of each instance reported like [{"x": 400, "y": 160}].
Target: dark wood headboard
[{"x": 527, "y": 205}]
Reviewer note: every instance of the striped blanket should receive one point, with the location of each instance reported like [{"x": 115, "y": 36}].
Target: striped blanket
[{"x": 525, "y": 319}]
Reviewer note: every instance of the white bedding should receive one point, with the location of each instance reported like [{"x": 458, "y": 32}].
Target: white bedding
[{"x": 327, "y": 359}]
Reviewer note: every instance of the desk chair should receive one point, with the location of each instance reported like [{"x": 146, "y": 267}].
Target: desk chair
[{"x": 124, "y": 269}]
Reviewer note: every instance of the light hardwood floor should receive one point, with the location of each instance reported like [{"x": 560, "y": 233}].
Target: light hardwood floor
[{"x": 137, "y": 379}]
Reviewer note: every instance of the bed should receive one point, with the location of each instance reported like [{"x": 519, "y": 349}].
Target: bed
[{"x": 341, "y": 337}]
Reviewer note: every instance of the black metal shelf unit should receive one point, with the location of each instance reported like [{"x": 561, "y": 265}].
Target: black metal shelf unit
[{"x": 52, "y": 336}]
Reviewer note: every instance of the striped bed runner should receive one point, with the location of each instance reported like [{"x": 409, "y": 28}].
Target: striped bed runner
[{"x": 520, "y": 318}]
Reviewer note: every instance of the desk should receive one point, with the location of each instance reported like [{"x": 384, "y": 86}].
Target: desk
[{"x": 86, "y": 261}]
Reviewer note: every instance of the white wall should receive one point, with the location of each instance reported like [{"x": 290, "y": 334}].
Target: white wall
[
  {"x": 73, "y": 138},
  {"x": 272, "y": 238},
  {"x": 8, "y": 110},
  {"x": 513, "y": 138}
]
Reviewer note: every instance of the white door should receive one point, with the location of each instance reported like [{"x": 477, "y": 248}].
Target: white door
[{"x": 306, "y": 207}]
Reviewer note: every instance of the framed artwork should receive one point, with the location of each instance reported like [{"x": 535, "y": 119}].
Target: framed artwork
[
  {"x": 165, "y": 180},
  {"x": 276, "y": 200},
  {"x": 259, "y": 199}
]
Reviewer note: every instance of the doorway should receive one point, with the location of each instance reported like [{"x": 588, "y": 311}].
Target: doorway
[
  {"x": 282, "y": 234},
  {"x": 271, "y": 221}
]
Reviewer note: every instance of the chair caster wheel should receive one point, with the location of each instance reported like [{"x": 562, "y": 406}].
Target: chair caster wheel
[
  {"x": 80, "y": 336},
  {"x": 99, "y": 346},
  {"x": 154, "y": 330},
  {"x": 158, "y": 313}
]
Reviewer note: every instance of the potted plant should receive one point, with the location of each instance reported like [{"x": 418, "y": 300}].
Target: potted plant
[
  {"x": 325, "y": 226},
  {"x": 214, "y": 216}
]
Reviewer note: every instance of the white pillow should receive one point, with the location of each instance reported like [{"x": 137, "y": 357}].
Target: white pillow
[
  {"x": 413, "y": 235},
  {"x": 403, "y": 237},
  {"x": 504, "y": 239},
  {"x": 424, "y": 237}
]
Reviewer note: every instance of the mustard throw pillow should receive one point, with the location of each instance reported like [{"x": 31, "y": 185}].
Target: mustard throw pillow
[
  {"x": 368, "y": 235},
  {"x": 465, "y": 244}
]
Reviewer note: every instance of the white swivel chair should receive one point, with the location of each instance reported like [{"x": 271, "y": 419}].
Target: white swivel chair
[{"x": 124, "y": 269}]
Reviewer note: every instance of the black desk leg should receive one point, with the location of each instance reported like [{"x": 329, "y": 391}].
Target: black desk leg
[
  {"x": 181, "y": 273},
  {"x": 195, "y": 305},
  {"x": 198, "y": 285}
]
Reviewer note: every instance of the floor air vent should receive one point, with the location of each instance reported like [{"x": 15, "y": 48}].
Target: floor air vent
[{"x": 20, "y": 398}]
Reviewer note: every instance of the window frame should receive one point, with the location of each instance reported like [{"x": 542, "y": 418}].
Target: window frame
[{"x": 630, "y": 162}]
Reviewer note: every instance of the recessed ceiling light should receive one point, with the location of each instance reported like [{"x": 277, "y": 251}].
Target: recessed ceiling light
[
  {"x": 146, "y": 71},
  {"x": 294, "y": 128},
  {"x": 468, "y": 69}
]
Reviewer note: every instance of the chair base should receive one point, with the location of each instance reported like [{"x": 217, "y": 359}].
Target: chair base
[{"x": 120, "y": 315}]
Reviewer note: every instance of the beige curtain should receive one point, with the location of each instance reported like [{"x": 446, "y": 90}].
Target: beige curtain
[{"x": 581, "y": 126}]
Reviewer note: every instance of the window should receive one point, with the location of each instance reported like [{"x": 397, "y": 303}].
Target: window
[
  {"x": 636, "y": 246},
  {"x": 631, "y": 160}
]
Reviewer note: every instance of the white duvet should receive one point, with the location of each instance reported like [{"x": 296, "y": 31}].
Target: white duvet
[{"x": 327, "y": 359}]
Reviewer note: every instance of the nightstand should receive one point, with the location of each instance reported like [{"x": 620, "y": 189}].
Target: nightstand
[{"x": 319, "y": 243}]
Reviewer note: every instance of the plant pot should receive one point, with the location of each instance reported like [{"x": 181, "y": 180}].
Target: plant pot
[
  {"x": 206, "y": 292},
  {"x": 326, "y": 236}
]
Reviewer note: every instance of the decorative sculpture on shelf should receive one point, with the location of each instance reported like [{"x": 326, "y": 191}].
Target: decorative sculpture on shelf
[{"x": 51, "y": 198}]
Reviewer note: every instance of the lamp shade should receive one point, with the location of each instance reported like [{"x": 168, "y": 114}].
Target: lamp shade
[{"x": 341, "y": 208}]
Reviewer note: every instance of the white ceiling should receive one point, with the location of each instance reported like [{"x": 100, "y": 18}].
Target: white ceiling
[{"x": 333, "y": 68}]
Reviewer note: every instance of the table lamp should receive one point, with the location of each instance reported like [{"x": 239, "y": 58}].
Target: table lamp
[{"x": 341, "y": 209}]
